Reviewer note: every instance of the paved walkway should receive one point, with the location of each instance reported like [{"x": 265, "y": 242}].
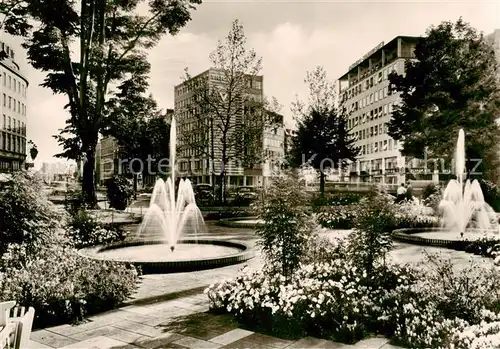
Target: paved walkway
[{"x": 179, "y": 323}]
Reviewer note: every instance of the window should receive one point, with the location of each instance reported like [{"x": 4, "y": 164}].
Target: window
[
  {"x": 385, "y": 74},
  {"x": 390, "y": 144},
  {"x": 15, "y": 84},
  {"x": 10, "y": 102},
  {"x": 4, "y": 121},
  {"x": 376, "y": 96},
  {"x": 10, "y": 124},
  {"x": 4, "y": 100},
  {"x": 18, "y": 107},
  {"x": 4, "y": 79},
  {"x": 10, "y": 82},
  {"x": 4, "y": 141},
  {"x": 18, "y": 87}
]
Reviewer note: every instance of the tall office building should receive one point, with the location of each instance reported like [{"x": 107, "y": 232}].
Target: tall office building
[
  {"x": 197, "y": 164},
  {"x": 364, "y": 92},
  {"x": 13, "y": 92}
]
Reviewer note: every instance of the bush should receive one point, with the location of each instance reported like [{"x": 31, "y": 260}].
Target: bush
[
  {"x": 84, "y": 230},
  {"x": 412, "y": 214},
  {"x": 491, "y": 194},
  {"x": 61, "y": 285},
  {"x": 429, "y": 190},
  {"x": 286, "y": 227},
  {"x": 119, "y": 191},
  {"x": 25, "y": 216},
  {"x": 338, "y": 217},
  {"x": 336, "y": 199}
]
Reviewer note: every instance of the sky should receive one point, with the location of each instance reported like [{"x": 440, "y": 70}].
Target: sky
[{"x": 292, "y": 37}]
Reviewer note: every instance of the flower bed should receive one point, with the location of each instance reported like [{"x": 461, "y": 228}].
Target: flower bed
[
  {"x": 40, "y": 266},
  {"x": 338, "y": 300}
]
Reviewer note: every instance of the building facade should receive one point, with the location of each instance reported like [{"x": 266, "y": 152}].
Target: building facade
[
  {"x": 364, "y": 92},
  {"x": 202, "y": 165},
  {"x": 494, "y": 39},
  {"x": 13, "y": 112}
]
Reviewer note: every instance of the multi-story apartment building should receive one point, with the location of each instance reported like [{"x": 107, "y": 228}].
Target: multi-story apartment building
[
  {"x": 202, "y": 165},
  {"x": 13, "y": 110},
  {"x": 364, "y": 92}
]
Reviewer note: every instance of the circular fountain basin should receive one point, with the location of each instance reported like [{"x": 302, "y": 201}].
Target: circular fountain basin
[
  {"x": 155, "y": 256},
  {"x": 247, "y": 222},
  {"x": 439, "y": 237}
]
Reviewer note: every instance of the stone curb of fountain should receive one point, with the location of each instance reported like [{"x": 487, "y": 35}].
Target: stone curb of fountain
[
  {"x": 239, "y": 222},
  {"x": 162, "y": 267},
  {"x": 405, "y": 235}
]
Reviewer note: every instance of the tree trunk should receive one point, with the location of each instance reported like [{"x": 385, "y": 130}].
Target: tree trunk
[
  {"x": 88, "y": 180},
  {"x": 322, "y": 183}
]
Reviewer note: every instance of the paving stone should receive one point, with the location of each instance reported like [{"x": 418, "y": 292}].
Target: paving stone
[
  {"x": 137, "y": 309},
  {"x": 243, "y": 343},
  {"x": 195, "y": 343},
  {"x": 100, "y": 342},
  {"x": 139, "y": 328},
  {"x": 390, "y": 346},
  {"x": 231, "y": 336},
  {"x": 110, "y": 332},
  {"x": 336, "y": 345},
  {"x": 36, "y": 345},
  {"x": 370, "y": 343},
  {"x": 51, "y": 339},
  {"x": 273, "y": 342},
  {"x": 307, "y": 342},
  {"x": 69, "y": 330},
  {"x": 159, "y": 341}
]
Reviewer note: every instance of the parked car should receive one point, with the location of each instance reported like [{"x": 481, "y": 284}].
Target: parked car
[
  {"x": 203, "y": 194},
  {"x": 245, "y": 195}
]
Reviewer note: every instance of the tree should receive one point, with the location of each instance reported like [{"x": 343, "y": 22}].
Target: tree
[
  {"x": 452, "y": 84},
  {"x": 139, "y": 127},
  {"x": 110, "y": 39},
  {"x": 322, "y": 137}
]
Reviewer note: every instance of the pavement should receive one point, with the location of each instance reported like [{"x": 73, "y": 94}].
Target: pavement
[{"x": 180, "y": 323}]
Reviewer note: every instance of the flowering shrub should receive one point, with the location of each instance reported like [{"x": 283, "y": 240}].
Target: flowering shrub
[
  {"x": 25, "y": 216},
  {"x": 437, "y": 307},
  {"x": 338, "y": 199},
  {"x": 413, "y": 214},
  {"x": 84, "y": 230},
  {"x": 61, "y": 285},
  {"x": 337, "y": 217}
]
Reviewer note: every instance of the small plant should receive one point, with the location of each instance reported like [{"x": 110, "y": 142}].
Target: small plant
[
  {"x": 119, "y": 191},
  {"x": 286, "y": 226}
]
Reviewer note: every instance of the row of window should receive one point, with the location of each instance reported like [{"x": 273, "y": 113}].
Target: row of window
[
  {"x": 14, "y": 105},
  {"x": 7, "y": 166},
  {"x": 15, "y": 85},
  {"x": 13, "y": 143},
  {"x": 373, "y": 131},
  {"x": 369, "y": 100},
  {"x": 377, "y": 147},
  {"x": 375, "y": 164},
  {"x": 14, "y": 125},
  {"x": 374, "y": 114},
  {"x": 369, "y": 82}
]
